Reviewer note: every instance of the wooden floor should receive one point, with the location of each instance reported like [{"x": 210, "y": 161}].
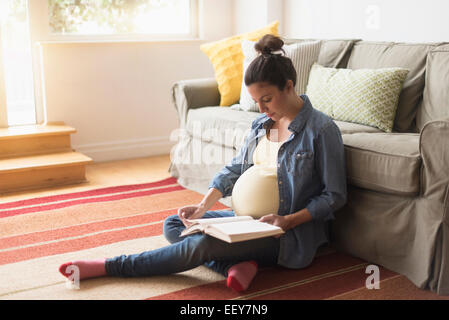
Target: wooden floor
[{"x": 106, "y": 174}]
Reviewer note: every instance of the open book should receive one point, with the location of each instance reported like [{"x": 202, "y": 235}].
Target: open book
[{"x": 232, "y": 229}]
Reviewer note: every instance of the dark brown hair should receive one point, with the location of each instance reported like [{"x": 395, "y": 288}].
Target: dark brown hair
[{"x": 271, "y": 66}]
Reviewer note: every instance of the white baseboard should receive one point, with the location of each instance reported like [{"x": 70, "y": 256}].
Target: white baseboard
[{"x": 126, "y": 149}]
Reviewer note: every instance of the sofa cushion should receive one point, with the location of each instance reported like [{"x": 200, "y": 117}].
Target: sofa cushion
[
  {"x": 366, "y": 54},
  {"x": 334, "y": 53},
  {"x": 229, "y": 126},
  {"x": 349, "y": 127},
  {"x": 435, "y": 103},
  {"x": 365, "y": 96},
  {"x": 383, "y": 162},
  {"x": 221, "y": 126}
]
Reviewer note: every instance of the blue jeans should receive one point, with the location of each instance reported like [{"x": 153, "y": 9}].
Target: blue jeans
[{"x": 185, "y": 253}]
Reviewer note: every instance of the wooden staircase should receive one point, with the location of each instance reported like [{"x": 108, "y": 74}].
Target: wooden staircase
[{"x": 39, "y": 156}]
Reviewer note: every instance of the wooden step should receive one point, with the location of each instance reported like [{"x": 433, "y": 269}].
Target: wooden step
[
  {"x": 34, "y": 139},
  {"x": 18, "y": 132},
  {"x": 40, "y": 171}
]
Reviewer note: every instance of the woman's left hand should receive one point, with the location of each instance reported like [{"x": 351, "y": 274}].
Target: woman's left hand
[{"x": 276, "y": 220}]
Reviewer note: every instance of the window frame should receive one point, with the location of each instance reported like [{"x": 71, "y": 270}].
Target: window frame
[
  {"x": 40, "y": 34},
  {"x": 40, "y": 15}
]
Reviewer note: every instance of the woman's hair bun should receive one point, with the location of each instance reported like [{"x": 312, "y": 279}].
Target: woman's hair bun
[
  {"x": 271, "y": 65},
  {"x": 269, "y": 44}
]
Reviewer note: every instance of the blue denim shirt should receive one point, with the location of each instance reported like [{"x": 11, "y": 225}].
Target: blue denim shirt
[{"x": 311, "y": 174}]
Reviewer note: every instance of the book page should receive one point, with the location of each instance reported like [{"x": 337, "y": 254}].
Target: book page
[
  {"x": 208, "y": 221},
  {"x": 198, "y": 225},
  {"x": 245, "y": 227}
]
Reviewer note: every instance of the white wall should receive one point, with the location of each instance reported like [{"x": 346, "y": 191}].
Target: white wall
[
  {"x": 118, "y": 94},
  {"x": 249, "y": 15},
  {"x": 383, "y": 20}
]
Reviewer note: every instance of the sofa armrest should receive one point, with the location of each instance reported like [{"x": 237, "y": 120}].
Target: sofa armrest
[
  {"x": 434, "y": 150},
  {"x": 194, "y": 93}
]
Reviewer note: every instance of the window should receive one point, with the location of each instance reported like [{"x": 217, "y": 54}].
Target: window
[
  {"x": 122, "y": 17},
  {"x": 16, "y": 58}
]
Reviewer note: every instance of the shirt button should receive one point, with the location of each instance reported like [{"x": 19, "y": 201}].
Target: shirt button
[
  {"x": 280, "y": 182},
  {"x": 282, "y": 200}
]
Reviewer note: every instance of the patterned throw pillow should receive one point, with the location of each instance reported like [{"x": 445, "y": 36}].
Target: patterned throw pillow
[
  {"x": 303, "y": 56},
  {"x": 365, "y": 96},
  {"x": 227, "y": 59}
]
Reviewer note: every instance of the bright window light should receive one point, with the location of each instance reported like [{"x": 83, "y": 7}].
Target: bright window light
[
  {"x": 17, "y": 62},
  {"x": 108, "y": 17}
]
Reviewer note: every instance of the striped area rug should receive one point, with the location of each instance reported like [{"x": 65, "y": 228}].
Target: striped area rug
[{"x": 37, "y": 235}]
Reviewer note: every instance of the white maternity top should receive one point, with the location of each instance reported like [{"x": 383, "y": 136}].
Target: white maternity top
[{"x": 256, "y": 191}]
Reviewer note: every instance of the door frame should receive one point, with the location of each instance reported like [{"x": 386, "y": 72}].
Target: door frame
[{"x": 3, "y": 106}]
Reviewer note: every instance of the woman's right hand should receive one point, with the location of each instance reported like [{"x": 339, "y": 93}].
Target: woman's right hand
[
  {"x": 191, "y": 212},
  {"x": 197, "y": 211}
]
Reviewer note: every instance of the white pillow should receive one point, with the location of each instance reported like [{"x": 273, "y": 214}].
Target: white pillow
[{"x": 303, "y": 56}]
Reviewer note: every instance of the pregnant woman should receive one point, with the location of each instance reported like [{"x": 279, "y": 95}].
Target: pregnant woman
[{"x": 290, "y": 172}]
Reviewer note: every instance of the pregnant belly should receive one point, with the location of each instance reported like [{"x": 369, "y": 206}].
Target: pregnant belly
[{"x": 256, "y": 193}]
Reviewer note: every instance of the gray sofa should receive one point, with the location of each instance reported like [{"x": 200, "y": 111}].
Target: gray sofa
[{"x": 397, "y": 213}]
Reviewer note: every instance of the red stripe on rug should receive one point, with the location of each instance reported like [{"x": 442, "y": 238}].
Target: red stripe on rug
[
  {"x": 266, "y": 279},
  {"x": 326, "y": 287},
  {"x": 91, "y": 227},
  {"x": 82, "y": 243},
  {"x": 90, "y": 193},
  {"x": 79, "y": 230},
  {"x": 90, "y": 241},
  {"x": 11, "y": 213}
]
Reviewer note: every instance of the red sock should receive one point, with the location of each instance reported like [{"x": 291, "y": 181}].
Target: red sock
[
  {"x": 87, "y": 268},
  {"x": 241, "y": 274}
]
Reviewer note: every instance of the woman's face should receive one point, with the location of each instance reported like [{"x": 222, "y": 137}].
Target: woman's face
[{"x": 269, "y": 99}]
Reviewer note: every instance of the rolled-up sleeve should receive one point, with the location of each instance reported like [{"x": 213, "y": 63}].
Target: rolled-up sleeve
[
  {"x": 225, "y": 179},
  {"x": 331, "y": 167}
]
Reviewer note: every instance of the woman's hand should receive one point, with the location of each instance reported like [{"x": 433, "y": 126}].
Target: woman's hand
[
  {"x": 197, "y": 211},
  {"x": 289, "y": 221},
  {"x": 191, "y": 212},
  {"x": 276, "y": 220}
]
